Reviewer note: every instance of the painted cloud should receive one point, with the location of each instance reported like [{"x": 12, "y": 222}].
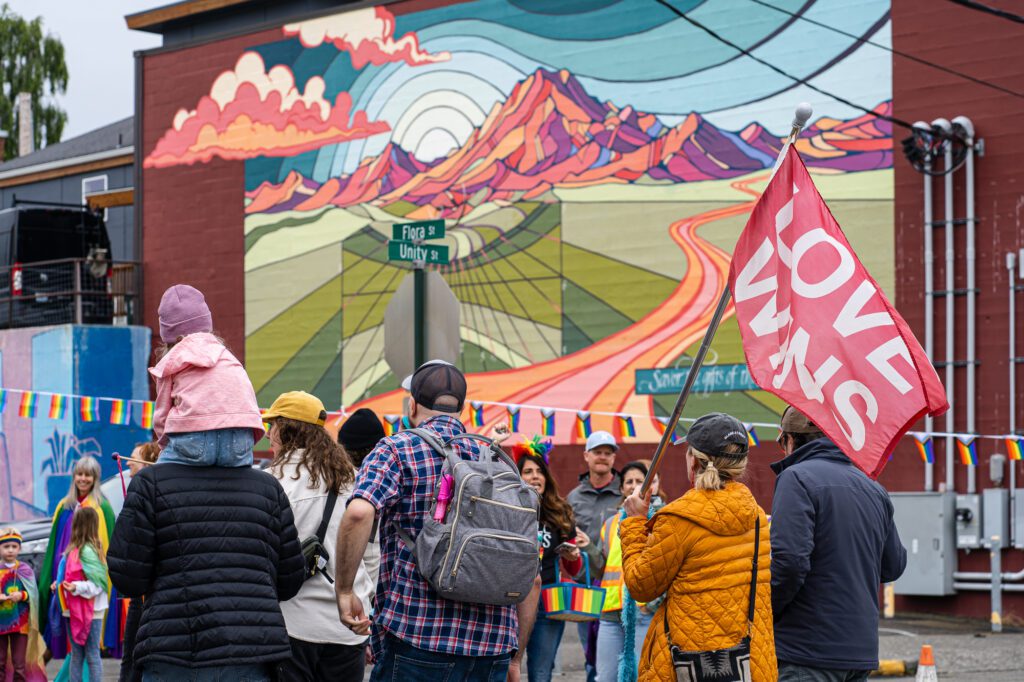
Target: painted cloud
[
  {"x": 367, "y": 35},
  {"x": 251, "y": 112}
]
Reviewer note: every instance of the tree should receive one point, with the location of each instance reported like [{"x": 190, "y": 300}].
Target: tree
[{"x": 34, "y": 63}]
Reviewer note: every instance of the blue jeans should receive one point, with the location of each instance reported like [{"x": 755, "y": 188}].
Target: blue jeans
[
  {"x": 583, "y": 630},
  {"x": 791, "y": 672},
  {"x": 87, "y": 653},
  {"x": 220, "y": 447},
  {"x": 610, "y": 636},
  {"x": 403, "y": 662},
  {"x": 542, "y": 647},
  {"x": 166, "y": 672}
]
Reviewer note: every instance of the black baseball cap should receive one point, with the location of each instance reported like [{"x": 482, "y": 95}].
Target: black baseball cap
[
  {"x": 713, "y": 432},
  {"x": 432, "y": 381}
]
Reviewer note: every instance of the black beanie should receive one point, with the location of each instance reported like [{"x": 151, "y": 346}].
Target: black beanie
[{"x": 360, "y": 431}]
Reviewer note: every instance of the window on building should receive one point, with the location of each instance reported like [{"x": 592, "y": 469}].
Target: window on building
[{"x": 97, "y": 183}]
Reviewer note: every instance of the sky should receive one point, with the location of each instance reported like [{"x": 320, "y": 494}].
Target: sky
[{"x": 99, "y": 53}]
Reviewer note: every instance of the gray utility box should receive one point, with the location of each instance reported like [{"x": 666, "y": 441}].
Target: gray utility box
[
  {"x": 925, "y": 522},
  {"x": 995, "y": 512},
  {"x": 969, "y": 522}
]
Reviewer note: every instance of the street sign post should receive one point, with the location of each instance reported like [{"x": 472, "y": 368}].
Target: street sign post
[
  {"x": 407, "y": 245},
  {"x": 418, "y": 231}
]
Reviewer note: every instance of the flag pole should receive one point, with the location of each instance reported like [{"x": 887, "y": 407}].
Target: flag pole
[{"x": 801, "y": 115}]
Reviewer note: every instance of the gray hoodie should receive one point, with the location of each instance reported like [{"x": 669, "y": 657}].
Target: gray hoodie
[{"x": 591, "y": 507}]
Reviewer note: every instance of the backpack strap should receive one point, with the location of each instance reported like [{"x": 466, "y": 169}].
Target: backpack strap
[
  {"x": 321, "y": 532},
  {"x": 438, "y": 446}
]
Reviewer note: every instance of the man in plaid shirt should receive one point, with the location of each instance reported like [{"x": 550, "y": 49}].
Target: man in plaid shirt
[{"x": 418, "y": 635}]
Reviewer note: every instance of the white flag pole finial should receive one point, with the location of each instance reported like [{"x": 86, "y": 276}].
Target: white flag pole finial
[{"x": 802, "y": 114}]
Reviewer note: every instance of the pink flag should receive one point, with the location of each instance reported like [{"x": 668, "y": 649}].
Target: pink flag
[{"x": 818, "y": 332}]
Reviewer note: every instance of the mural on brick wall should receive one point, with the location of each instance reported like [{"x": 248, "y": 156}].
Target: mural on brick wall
[{"x": 594, "y": 163}]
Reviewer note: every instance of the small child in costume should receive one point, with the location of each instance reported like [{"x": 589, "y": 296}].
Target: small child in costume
[
  {"x": 206, "y": 412},
  {"x": 84, "y": 586},
  {"x": 18, "y": 596}
]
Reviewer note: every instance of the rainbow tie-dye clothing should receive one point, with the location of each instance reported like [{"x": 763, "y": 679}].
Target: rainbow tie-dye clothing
[{"x": 14, "y": 616}]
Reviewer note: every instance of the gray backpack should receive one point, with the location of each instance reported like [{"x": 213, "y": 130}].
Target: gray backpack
[{"x": 485, "y": 550}]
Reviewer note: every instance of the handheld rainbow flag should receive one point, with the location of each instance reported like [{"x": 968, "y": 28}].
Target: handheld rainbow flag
[
  {"x": 925, "y": 447},
  {"x": 547, "y": 422},
  {"x": 1013, "y": 449},
  {"x": 58, "y": 406},
  {"x": 968, "y": 448},
  {"x": 120, "y": 412},
  {"x": 477, "y": 413},
  {"x": 88, "y": 410},
  {"x": 752, "y": 439},
  {"x": 513, "y": 417},
  {"x": 391, "y": 422},
  {"x": 27, "y": 408},
  {"x": 583, "y": 429},
  {"x": 146, "y": 416},
  {"x": 626, "y": 427}
]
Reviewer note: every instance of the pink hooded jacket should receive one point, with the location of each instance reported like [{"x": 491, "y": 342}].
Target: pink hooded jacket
[{"x": 201, "y": 386}]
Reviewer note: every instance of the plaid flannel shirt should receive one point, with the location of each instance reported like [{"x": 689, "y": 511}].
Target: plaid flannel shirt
[{"x": 399, "y": 479}]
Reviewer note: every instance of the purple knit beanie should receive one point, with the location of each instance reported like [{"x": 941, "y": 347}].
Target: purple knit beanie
[{"x": 182, "y": 311}]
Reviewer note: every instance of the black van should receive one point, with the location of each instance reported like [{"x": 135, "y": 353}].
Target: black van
[{"x": 54, "y": 267}]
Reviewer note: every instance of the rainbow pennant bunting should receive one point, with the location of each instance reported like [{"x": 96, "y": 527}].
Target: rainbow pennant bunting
[
  {"x": 967, "y": 446},
  {"x": 626, "y": 427},
  {"x": 752, "y": 439},
  {"x": 925, "y": 447},
  {"x": 391, "y": 422},
  {"x": 513, "y": 418},
  {"x": 664, "y": 426},
  {"x": 27, "y": 408},
  {"x": 1013, "y": 449},
  {"x": 547, "y": 422},
  {"x": 120, "y": 412},
  {"x": 583, "y": 429},
  {"x": 477, "y": 413},
  {"x": 3, "y": 399},
  {"x": 146, "y": 416},
  {"x": 88, "y": 410},
  {"x": 58, "y": 406}
]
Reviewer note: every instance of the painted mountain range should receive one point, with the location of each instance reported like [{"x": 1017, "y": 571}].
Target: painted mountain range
[{"x": 550, "y": 133}]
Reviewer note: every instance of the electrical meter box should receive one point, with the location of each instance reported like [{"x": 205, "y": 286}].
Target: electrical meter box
[
  {"x": 925, "y": 523},
  {"x": 968, "y": 522},
  {"x": 1018, "y": 518},
  {"x": 995, "y": 513}
]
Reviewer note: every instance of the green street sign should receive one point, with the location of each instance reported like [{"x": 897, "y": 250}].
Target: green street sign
[
  {"x": 432, "y": 254},
  {"x": 418, "y": 231}
]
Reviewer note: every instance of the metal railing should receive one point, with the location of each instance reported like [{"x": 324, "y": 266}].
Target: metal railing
[{"x": 69, "y": 291}]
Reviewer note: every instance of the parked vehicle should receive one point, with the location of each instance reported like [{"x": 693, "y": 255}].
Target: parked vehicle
[{"x": 54, "y": 266}]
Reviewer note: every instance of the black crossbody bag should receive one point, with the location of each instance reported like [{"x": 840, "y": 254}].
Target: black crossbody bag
[
  {"x": 720, "y": 665},
  {"x": 313, "y": 550}
]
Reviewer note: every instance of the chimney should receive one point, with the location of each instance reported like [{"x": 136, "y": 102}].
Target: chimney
[
  {"x": 25, "y": 138},
  {"x": 3, "y": 144}
]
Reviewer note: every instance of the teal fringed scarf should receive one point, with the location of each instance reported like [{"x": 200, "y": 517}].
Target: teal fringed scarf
[{"x": 627, "y": 659}]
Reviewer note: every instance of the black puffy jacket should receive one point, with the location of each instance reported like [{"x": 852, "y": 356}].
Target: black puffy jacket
[{"x": 213, "y": 549}]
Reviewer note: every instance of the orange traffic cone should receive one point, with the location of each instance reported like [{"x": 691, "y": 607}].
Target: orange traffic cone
[{"x": 926, "y": 665}]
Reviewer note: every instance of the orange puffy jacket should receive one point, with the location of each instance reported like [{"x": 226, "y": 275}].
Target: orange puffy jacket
[{"x": 698, "y": 549}]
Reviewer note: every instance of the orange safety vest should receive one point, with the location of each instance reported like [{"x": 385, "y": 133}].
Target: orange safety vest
[{"x": 611, "y": 581}]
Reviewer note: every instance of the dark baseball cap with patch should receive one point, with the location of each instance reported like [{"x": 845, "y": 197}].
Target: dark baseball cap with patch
[
  {"x": 714, "y": 432},
  {"x": 430, "y": 382}
]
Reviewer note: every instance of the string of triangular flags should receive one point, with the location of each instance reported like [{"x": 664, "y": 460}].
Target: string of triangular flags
[
  {"x": 46, "y": 405},
  {"x": 966, "y": 443}
]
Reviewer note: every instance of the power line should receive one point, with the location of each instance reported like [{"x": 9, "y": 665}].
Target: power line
[
  {"x": 979, "y": 7},
  {"x": 905, "y": 55},
  {"x": 795, "y": 79}
]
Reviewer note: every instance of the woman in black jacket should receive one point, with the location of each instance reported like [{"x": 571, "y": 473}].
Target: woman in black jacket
[{"x": 213, "y": 549}]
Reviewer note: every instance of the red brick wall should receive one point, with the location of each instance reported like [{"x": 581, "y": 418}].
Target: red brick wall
[{"x": 192, "y": 216}]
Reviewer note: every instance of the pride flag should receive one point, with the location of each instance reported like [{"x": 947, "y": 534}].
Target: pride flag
[
  {"x": 391, "y": 422},
  {"x": 626, "y": 427},
  {"x": 27, "y": 408},
  {"x": 58, "y": 406},
  {"x": 477, "y": 413},
  {"x": 925, "y": 448},
  {"x": 3, "y": 400},
  {"x": 663, "y": 421},
  {"x": 1013, "y": 450},
  {"x": 513, "y": 417},
  {"x": 120, "y": 412},
  {"x": 146, "y": 418},
  {"x": 752, "y": 439},
  {"x": 968, "y": 448},
  {"x": 88, "y": 409},
  {"x": 583, "y": 428},
  {"x": 547, "y": 422}
]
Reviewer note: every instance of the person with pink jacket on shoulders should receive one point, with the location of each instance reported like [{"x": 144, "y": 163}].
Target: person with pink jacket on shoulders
[{"x": 206, "y": 412}]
